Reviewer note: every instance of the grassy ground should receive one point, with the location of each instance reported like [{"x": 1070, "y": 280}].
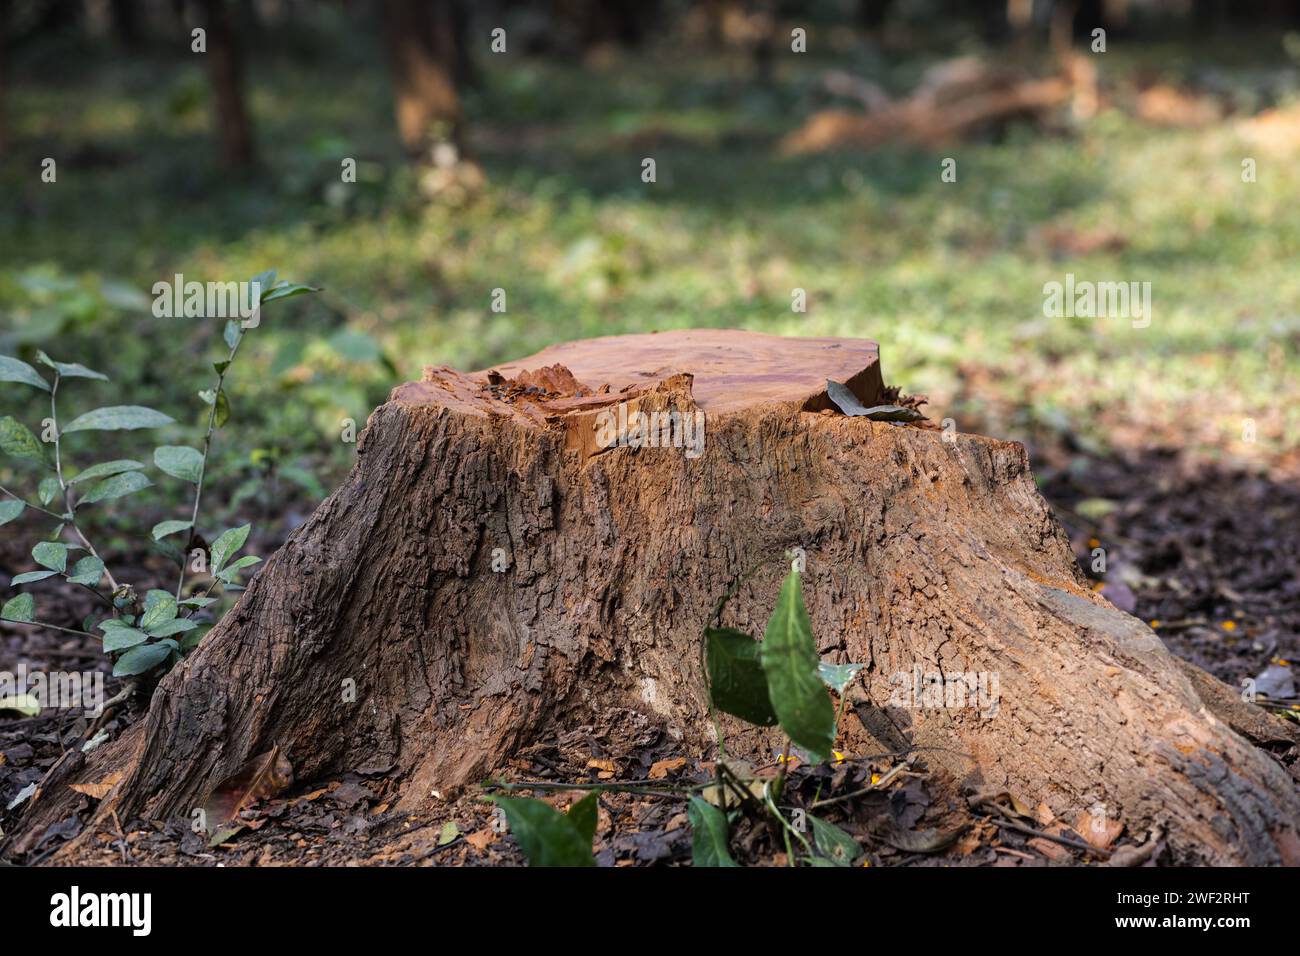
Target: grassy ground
[{"x": 947, "y": 276}]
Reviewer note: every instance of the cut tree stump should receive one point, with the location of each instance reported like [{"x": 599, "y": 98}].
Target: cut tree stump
[{"x": 490, "y": 575}]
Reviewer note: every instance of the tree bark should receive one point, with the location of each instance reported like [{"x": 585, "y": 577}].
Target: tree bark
[
  {"x": 492, "y": 572},
  {"x": 226, "y": 73}
]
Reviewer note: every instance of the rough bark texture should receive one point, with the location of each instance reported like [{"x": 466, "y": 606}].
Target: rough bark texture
[{"x": 921, "y": 553}]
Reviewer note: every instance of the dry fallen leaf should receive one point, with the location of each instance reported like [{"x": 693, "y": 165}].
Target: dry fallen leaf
[
  {"x": 481, "y": 839},
  {"x": 1098, "y": 831},
  {"x": 605, "y": 765},
  {"x": 97, "y": 791},
  {"x": 660, "y": 769},
  {"x": 1044, "y": 815},
  {"x": 259, "y": 779},
  {"x": 968, "y": 844},
  {"x": 1053, "y": 851}
]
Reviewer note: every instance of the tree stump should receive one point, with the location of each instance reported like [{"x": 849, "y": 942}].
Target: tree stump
[{"x": 493, "y": 571}]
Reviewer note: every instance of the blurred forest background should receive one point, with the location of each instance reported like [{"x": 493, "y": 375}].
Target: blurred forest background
[{"x": 522, "y": 169}]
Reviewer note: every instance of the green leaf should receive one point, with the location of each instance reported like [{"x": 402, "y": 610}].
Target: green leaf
[
  {"x": 20, "y": 608},
  {"x": 141, "y": 659},
  {"x": 192, "y": 639},
  {"x": 87, "y": 571},
  {"x": 287, "y": 290},
  {"x": 119, "y": 636},
  {"x": 25, "y": 705},
  {"x": 69, "y": 369},
  {"x": 179, "y": 461},
  {"x": 177, "y": 625},
  {"x": 737, "y": 683},
  {"x": 837, "y": 676},
  {"x": 107, "y": 468},
  {"x": 118, "y": 418},
  {"x": 52, "y": 555},
  {"x": 227, "y": 574},
  {"x": 163, "y": 528},
  {"x": 227, "y": 544},
  {"x": 789, "y": 658},
  {"x": 210, "y": 396},
  {"x": 265, "y": 281},
  {"x": 223, "y": 409},
  {"x": 708, "y": 834},
  {"x": 198, "y": 602},
  {"x": 9, "y": 510},
  {"x": 584, "y": 814},
  {"x": 231, "y": 334},
  {"x": 448, "y": 833},
  {"x": 833, "y": 843},
  {"x": 16, "y": 439},
  {"x": 159, "y": 607},
  {"x": 119, "y": 486},
  {"x": 29, "y": 577},
  {"x": 14, "y": 370},
  {"x": 47, "y": 489},
  {"x": 547, "y": 836}
]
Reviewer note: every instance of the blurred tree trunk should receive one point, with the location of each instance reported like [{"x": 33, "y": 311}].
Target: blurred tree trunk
[
  {"x": 4, "y": 75},
  {"x": 454, "y": 44},
  {"x": 126, "y": 26},
  {"x": 224, "y": 69},
  {"x": 58, "y": 16},
  {"x": 872, "y": 14},
  {"x": 611, "y": 21},
  {"x": 421, "y": 39}
]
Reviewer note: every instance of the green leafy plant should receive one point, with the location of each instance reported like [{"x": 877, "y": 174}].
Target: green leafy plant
[
  {"x": 549, "y": 837},
  {"x": 778, "y": 681},
  {"x": 159, "y": 628}
]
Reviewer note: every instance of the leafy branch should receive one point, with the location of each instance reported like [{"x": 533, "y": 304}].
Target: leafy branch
[{"x": 142, "y": 633}]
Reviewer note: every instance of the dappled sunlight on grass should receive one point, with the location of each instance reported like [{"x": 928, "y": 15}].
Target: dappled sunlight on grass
[{"x": 944, "y": 275}]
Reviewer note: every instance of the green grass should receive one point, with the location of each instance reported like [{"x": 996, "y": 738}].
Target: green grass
[{"x": 948, "y": 277}]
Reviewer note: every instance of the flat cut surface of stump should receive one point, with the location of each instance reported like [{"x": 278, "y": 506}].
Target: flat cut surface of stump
[{"x": 731, "y": 369}]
